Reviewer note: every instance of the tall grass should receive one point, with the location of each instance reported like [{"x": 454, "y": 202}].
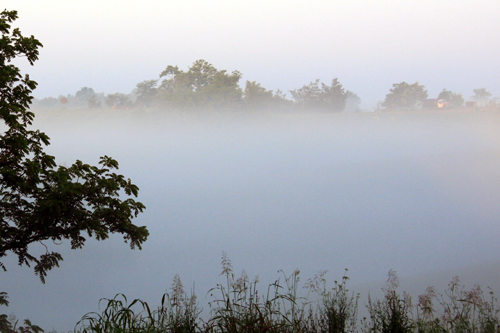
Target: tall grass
[
  {"x": 461, "y": 310},
  {"x": 237, "y": 305},
  {"x": 177, "y": 313}
]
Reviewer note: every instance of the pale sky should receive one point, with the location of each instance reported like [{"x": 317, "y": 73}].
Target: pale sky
[{"x": 368, "y": 45}]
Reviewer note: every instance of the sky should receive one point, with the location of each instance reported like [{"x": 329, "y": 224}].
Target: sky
[{"x": 111, "y": 46}]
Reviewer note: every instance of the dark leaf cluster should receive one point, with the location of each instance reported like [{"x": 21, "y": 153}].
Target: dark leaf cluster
[{"x": 40, "y": 201}]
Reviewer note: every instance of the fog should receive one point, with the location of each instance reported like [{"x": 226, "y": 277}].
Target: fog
[{"x": 415, "y": 192}]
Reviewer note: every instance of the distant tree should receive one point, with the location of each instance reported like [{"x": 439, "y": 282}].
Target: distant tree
[
  {"x": 281, "y": 100},
  {"x": 223, "y": 91},
  {"x": 201, "y": 74},
  {"x": 45, "y": 103},
  {"x": 82, "y": 96},
  {"x": 455, "y": 99},
  {"x": 255, "y": 95},
  {"x": 353, "y": 102},
  {"x": 482, "y": 96},
  {"x": 309, "y": 95},
  {"x": 93, "y": 102},
  {"x": 334, "y": 96},
  {"x": 41, "y": 201},
  {"x": 317, "y": 95},
  {"x": 118, "y": 101},
  {"x": 176, "y": 88},
  {"x": 146, "y": 92},
  {"x": 405, "y": 96},
  {"x": 201, "y": 86},
  {"x": 494, "y": 102}
]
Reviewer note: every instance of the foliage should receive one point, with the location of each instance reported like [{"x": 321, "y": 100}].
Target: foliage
[
  {"x": 462, "y": 310},
  {"x": 84, "y": 94},
  {"x": 257, "y": 97},
  {"x": 40, "y": 201},
  {"x": 393, "y": 314},
  {"x": 405, "y": 96},
  {"x": 482, "y": 96},
  {"x": 455, "y": 99},
  {"x": 239, "y": 306},
  {"x": 317, "y": 95},
  {"x": 46, "y": 103},
  {"x": 146, "y": 92},
  {"x": 338, "y": 309},
  {"x": 201, "y": 86},
  {"x": 85, "y": 97},
  {"x": 494, "y": 103},
  {"x": 178, "y": 313},
  {"x": 9, "y": 324},
  {"x": 94, "y": 102},
  {"x": 3, "y": 298},
  {"x": 118, "y": 101}
]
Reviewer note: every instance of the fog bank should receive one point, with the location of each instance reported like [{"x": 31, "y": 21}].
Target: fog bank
[{"x": 414, "y": 192}]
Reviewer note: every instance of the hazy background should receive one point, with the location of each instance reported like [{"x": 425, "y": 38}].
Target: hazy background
[
  {"x": 413, "y": 192},
  {"x": 368, "y": 45}
]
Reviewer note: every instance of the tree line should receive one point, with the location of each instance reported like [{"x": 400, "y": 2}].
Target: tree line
[{"x": 204, "y": 86}]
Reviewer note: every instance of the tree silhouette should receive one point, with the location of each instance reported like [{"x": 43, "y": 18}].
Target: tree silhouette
[{"x": 41, "y": 201}]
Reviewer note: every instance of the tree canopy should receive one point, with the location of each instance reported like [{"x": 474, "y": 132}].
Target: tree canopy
[
  {"x": 482, "y": 96},
  {"x": 317, "y": 95},
  {"x": 201, "y": 85},
  {"x": 41, "y": 201},
  {"x": 146, "y": 92},
  {"x": 256, "y": 96},
  {"x": 405, "y": 96}
]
